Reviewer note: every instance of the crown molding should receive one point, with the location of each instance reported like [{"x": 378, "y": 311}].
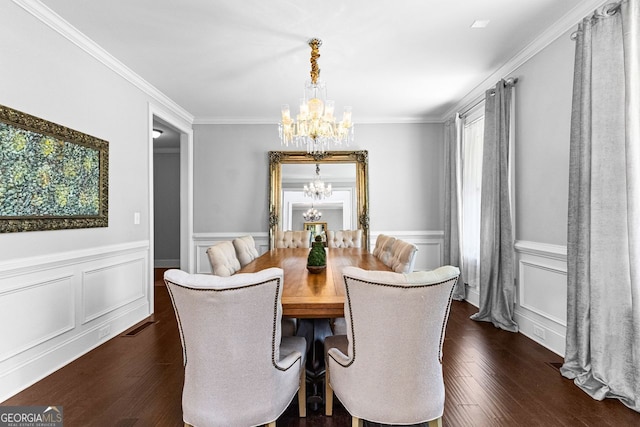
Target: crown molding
[
  {"x": 263, "y": 121},
  {"x": 58, "y": 24},
  {"x": 561, "y": 26}
]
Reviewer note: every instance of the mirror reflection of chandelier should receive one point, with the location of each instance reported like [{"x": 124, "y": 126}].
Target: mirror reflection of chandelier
[
  {"x": 312, "y": 214},
  {"x": 316, "y": 126},
  {"x": 317, "y": 189}
]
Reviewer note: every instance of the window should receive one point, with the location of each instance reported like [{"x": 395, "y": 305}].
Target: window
[{"x": 471, "y": 186}]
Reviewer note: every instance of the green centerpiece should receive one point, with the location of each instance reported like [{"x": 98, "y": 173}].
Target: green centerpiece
[{"x": 317, "y": 260}]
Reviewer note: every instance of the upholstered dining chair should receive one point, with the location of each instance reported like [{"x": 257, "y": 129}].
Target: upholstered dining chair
[
  {"x": 223, "y": 259},
  {"x": 246, "y": 250},
  {"x": 238, "y": 370},
  {"x": 344, "y": 238},
  {"x": 293, "y": 239},
  {"x": 382, "y": 249},
  {"x": 388, "y": 367},
  {"x": 403, "y": 256}
]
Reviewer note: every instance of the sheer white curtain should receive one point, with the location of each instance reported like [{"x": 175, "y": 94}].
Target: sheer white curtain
[
  {"x": 603, "y": 248},
  {"x": 472, "y": 136},
  {"x": 452, "y": 214}
]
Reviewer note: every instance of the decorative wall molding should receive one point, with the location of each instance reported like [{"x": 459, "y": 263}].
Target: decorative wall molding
[
  {"x": 269, "y": 121},
  {"x": 57, "y": 292},
  {"x": 541, "y": 293},
  {"x": 29, "y": 265},
  {"x": 76, "y": 301},
  {"x": 104, "y": 291},
  {"x": 58, "y": 24},
  {"x": 526, "y": 287},
  {"x": 545, "y": 250}
]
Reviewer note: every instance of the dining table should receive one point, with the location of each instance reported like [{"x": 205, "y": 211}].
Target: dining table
[
  {"x": 314, "y": 299},
  {"x": 313, "y": 295}
]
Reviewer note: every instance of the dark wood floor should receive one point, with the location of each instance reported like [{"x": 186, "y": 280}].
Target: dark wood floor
[{"x": 492, "y": 378}]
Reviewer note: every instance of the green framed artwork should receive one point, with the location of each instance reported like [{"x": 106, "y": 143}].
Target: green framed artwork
[{"x": 51, "y": 177}]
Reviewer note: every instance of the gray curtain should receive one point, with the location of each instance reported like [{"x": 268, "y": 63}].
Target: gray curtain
[
  {"x": 603, "y": 251},
  {"x": 452, "y": 250},
  {"x": 497, "y": 287}
]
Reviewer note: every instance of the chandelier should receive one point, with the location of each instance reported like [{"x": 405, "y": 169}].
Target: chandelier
[
  {"x": 317, "y": 189},
  {"x": 312, "y": 215},
  {"x": 315, "y": 126}
]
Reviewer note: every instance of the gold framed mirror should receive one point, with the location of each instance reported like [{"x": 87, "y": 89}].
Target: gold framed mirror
[{"x": 360, "y": 160}]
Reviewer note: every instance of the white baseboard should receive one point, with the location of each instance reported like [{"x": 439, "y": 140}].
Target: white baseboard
[{"x": 166, "y": 263}]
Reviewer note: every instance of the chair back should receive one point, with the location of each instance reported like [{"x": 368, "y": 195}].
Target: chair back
[
  {"x": 235, "y": 373},
  {"x": 344, "y": 238},
  {"x": 383, "y": 249},
  {"x": 392, "y": 370},
  {"x": 245, "y": 249},
  {"x": 293, "y": 239},
  {"x": 403, "y": 256},
  {"x": 223, "y": 259}
]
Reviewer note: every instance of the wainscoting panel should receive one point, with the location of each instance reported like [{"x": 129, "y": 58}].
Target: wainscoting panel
[
  {"x": 109, "y": 288},
  {"x": 57, "y": 307},
  {"x": 537, "y": 282},
  {"x": 541, "y": 304},
  {"x": 35, "y": 313}
]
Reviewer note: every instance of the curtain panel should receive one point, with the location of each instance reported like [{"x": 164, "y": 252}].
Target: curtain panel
[
  {"x": 603, "y": 249},
  {"x": 497, "y": 286}
]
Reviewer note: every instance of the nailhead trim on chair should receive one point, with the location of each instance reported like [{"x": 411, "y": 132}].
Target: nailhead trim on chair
[
  {"x": 275, "y": 316},
  {"x": 353, "y": 334}
]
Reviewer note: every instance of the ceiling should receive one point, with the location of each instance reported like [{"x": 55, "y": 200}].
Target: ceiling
[{"x": 230, "y": 61}]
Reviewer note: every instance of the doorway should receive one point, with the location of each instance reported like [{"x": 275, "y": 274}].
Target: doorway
[
  {"x": 171, "y": 189},
  {"x": 166, "y": 195}
]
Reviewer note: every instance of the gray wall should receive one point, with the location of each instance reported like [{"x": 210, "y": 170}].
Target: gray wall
[
  {"x": 231, "y": 177},
  {"x": 542, "y": 122},
  {"x": 47, "y": 76},
  {"x": 166, "y": 209},
  {"x": 543, "y": 116}
]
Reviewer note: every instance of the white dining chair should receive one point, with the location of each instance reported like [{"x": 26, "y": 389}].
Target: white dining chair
[
  {"x": 382, "y": 250},
  {"x": 388, "y": 367},
  {"x": 403, "y": 256},
  {"x": 246, "y": 250},
  {"x": 293, "y": 239},
  {"x": 238, "y": 370},
  {"x": 344, "y": 238},
  {"x": 223, "y": 259}
]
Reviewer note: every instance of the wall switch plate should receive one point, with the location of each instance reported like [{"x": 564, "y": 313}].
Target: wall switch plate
[{"x": 136, "y": 218}]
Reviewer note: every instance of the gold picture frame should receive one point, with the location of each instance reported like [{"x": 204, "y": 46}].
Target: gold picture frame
[{"x": 51, "y": 177}]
